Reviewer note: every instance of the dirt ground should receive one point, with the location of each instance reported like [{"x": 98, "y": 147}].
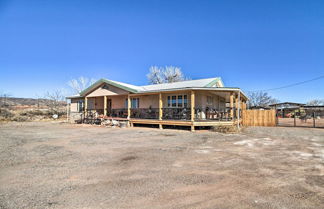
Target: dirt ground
[{"x": 57, "y": 165}]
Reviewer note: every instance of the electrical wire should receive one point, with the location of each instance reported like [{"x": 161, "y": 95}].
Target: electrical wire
[{"x": 291, "y": 85}]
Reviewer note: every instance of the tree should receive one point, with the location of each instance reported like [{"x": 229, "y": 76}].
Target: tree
[
  {"x": 79, "y": 84},
  {"x": 54, "y": 100},
  {"x": 167, "y": 74},
  {"x": 260, "y": 99},
  {"x": 4, "y": 99},
  {"x": 316, "y": 102}
]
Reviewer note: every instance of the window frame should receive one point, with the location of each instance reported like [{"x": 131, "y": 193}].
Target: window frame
[
  {"x": 134, "y": 105},
  {"x": 209, "y": 100},
  {"x": 80, "y": 106},
  {"x": 172, "y": 104}
]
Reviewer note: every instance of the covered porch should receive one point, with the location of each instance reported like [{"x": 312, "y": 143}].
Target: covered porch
[{"x": 195, "y": 107}]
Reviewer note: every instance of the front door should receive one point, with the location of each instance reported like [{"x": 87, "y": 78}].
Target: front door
[{"x": 109, "y": 107}]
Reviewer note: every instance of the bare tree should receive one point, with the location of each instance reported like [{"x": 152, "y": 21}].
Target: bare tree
[
  {"x": 155, "y": 75},
  {"x": 54, "y": 100},
  {"x": 316, "y": 102},
  {"x": 4, "y": 99},
  {"x": 167, "y": 74},
  {"x": 260, "y": 99},
  {"x": 79, "y": 84}
]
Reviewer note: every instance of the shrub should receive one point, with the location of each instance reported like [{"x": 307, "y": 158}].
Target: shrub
[
  {"x": 225, "y": 129},
  {"x": 6, "y": 113},
  {"x": 20, "y": 118}
]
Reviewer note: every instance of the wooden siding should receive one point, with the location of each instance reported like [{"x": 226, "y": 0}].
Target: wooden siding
[{"x": 112, "y": 90}]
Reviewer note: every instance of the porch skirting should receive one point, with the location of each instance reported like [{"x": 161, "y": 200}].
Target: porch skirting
[{"x": 180, "y": 122}]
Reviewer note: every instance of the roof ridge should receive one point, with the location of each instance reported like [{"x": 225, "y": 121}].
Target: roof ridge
[{"x": 181, "y": 81}]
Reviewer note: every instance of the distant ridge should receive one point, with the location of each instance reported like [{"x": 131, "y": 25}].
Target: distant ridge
[{"x": 13, "y": 101}]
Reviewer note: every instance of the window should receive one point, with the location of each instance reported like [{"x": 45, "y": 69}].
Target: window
[
  {"x": 105, "y": 87},
  {"x": 178, "y": 101},
  {"x": 169, "y": 101},
  {"x": 174, "y": 101},
  {"x": 185, "y": 101},
  {"x": 209, "y": 100},
  {"x": 134, "y": 103},
  {"x": 80, "y": 106}
]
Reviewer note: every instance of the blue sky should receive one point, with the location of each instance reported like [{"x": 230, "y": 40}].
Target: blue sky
[{"x": 250, "y": 44}]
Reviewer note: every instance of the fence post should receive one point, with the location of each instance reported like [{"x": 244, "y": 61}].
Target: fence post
[{"x": 314, "y": 115}]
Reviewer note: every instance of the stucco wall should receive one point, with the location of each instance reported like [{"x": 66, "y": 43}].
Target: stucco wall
[
  {"x": 118, "y": 102},
  {"x": 149, "y": 100},
  {"x": 74, "y": 104}
]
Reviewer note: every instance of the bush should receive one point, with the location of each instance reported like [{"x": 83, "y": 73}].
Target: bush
[
  {"x": 225, "y": 129},
  {"x": 32, "y": 113},
  {"x": 6, "y": 113},
  {"x": 20, "y": 118}
]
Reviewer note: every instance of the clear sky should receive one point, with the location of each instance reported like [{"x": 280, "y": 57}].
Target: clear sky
[{"x": 250, "y": 44}]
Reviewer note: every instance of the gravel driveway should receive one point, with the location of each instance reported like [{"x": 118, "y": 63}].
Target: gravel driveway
[{"x": 57, "y": 165}]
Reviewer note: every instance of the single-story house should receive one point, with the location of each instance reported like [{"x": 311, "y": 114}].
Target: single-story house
[{"x": 202, "y": 102}]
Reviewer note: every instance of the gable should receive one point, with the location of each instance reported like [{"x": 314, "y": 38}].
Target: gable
[{"x": 106, "y": 90}]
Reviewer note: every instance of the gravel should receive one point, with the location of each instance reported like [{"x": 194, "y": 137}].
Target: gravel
[{"x": 58, "y": 165}]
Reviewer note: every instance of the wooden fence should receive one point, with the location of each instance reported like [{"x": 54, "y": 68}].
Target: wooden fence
[{"x": 259, "y": 117}]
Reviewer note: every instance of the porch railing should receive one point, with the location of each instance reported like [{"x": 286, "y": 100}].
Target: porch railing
[
  {"x": 95, "y": 111},
  {"x": 119, "y": 113},
  {"x": 208, "y": 113},
  {"x": 145, "y": 113},
  {"x": 176, "y": 113}
]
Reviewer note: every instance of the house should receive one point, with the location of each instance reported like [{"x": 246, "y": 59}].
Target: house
[{"x": 202, "y": 102}]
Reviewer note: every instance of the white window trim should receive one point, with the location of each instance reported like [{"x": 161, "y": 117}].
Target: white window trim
[{"x": 176, "y": 95}]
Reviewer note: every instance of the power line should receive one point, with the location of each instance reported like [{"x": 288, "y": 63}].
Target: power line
[{"x": 293, "y": 84}]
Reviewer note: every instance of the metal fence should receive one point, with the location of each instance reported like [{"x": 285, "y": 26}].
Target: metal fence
[{"x": 306, "y": 116}]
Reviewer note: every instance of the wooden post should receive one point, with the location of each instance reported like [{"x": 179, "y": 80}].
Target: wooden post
[
  {"x": 232, "y": 105},
  {"x": 85, "y": 105},
  {"x": 160, "y": 109},
  {"x": 192, "y": 107},
  {"x": 128, "y": 107},
  {"x": 237, "y": 107},
  {"x": 68, "y": 108},
  {"x": 105, "y": 105},
  {"x": 314, "y": 120}
]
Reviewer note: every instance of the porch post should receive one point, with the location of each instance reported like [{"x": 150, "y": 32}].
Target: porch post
[
  {"x": 238, "y": 109},
  {"x": 237, "y": 105},
  {"x": 232, "y": 105},
  {"x": 192, "y": 107},
  {"x": 128, "y": 107},
  {"x": 160, "y": 109},
  {"x": 85, "y": 105},
  {"x": 105, "y": 105}
]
